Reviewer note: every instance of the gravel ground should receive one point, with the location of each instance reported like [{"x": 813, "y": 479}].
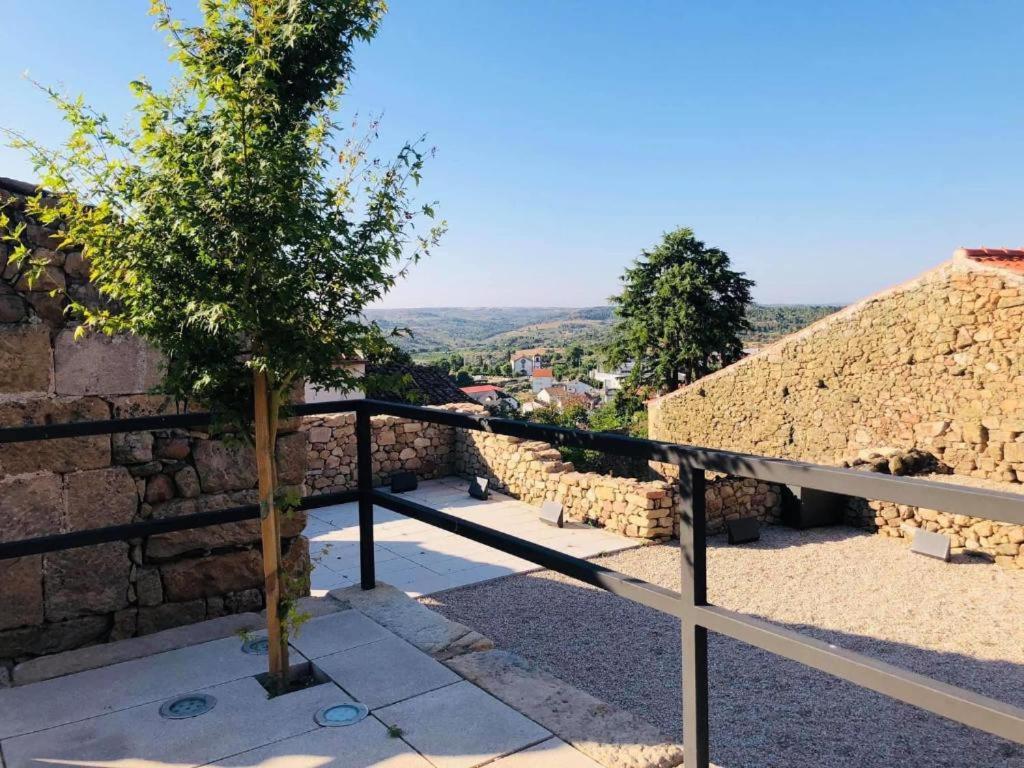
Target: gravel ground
[{"x": 962, "y": 623}]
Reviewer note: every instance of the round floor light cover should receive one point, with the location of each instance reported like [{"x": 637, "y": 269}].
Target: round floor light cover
[
  {"x": 258, "y": 646},
  {"x": 341, "y": 714},
  {"x": 189, "y": 705}
]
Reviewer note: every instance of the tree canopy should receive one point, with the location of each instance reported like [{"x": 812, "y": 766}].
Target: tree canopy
[{"x": 680, "y": 314}]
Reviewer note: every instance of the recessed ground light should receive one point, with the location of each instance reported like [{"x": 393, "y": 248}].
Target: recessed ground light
[
  {"x": 258, "y": 646},
  {"x": 189, "y": 705},
  {"x": 341, "y": 714}
]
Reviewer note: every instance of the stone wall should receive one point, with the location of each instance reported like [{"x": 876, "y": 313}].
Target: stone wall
[
  {"x": 62, "y": 600},
  {"x": 529, "y": 470},
  {"x": 935, "y": 364},
  {"x": 397, "y": 445}
]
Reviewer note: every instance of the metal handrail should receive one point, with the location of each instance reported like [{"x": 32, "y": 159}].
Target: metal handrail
[{"x": 696, "y": 615}]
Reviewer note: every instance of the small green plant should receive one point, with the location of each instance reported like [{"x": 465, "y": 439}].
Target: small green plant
[{"x": 395, "y": 732}]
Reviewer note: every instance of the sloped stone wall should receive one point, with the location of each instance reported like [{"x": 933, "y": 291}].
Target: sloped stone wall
[
  {"x": 936, "y": 364},
  {"x": 62, "y": 600}
]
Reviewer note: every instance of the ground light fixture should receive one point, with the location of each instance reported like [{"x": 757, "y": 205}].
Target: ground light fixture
[
  {"x": 256, "y": 646},
  {"x": 337, "y": 715},
  {"x": 189, "y": 705}
]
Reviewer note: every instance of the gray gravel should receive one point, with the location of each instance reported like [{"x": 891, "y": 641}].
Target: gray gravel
[{"x": 962, "y": 623}]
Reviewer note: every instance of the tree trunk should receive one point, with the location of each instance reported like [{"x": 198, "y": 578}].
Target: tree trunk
[{"x": 270, "y": 526}]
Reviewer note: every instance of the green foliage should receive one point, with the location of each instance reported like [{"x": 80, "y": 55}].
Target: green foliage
[
  {"x": 231, "y": 228},
  {"x": 464, "y": 378},
  {"x": 682, "y": 311}
]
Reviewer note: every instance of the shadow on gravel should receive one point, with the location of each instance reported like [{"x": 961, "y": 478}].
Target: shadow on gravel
[{"x": 765, "y": 710}]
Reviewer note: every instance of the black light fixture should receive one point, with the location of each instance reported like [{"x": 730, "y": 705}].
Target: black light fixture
[
  {"x": 404, "y": 481},
  {"x": 743, "y": 530},
  {"x": 478, "y": 488}
]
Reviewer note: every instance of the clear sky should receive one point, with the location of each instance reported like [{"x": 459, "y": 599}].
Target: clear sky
[{"x": 832, "y": 148}]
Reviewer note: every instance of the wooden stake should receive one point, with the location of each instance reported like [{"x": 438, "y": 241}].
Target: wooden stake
[{"x": 270, "y": 530}]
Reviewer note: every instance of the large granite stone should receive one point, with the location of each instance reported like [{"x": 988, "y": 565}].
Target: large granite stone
[
  {"x": 132, "y": 447},
  {"x": 62, "y": 455},
  {"x": 32, "y": 505},
  {"x": 160, "y": 617},
  {"x": 21, "y": 591},
  {"x": 104, "y": 365},
  {"x": 223, "y": 466},
  {"x": 86, "y": 580},
  {"x": 231, "y": 572},
  {"x": 291, "y": 456},
  {"x": 100, "y": 497},
  {"x": 26, "y": 362},
  {"x": 164, "y": 546},
  {"x": 53, "y": 638}
]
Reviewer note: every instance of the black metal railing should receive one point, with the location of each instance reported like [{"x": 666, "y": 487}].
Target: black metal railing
[{"x": 690, "y": 605}]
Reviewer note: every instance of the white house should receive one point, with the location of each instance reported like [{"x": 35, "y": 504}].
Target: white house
[
  {"x": 526, "y": 361},
  {"x": 357, "y": 368},
  {"x": 611, "y": 380},
  {"x": 541, "y": 378},
  {"x": 578, "y": 387}
]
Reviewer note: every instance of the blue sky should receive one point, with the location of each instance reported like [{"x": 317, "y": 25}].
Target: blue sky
[{"x": 831, "y": 148}]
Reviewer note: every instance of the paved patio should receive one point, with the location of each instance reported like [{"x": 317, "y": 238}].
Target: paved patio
[
  {"x": 421, "y": 559},
  {"x": 422, "y": 714}
]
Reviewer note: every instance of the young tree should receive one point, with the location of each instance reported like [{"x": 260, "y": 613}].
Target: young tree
[
  {"x": 231, "y": 230},
  {"x": 681, "y": 311}
]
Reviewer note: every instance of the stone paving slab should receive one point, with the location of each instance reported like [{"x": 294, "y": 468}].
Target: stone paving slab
[
  {"x": 460, "y": 726},
  {"x": 386, "y": 671},
  {"x": 119, "y": 686},
  {"x": 335, "y": 632},
  {"x": 421, "y": 559},
  {"x": 613, "y": 737},
  {"x": 242, "y": 719},
  {"x": 361, "y": 745}
]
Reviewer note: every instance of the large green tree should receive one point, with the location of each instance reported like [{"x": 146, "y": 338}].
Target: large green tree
[
  {"x": 239, "y": 226},
  {"x": 680, "y": 313}
]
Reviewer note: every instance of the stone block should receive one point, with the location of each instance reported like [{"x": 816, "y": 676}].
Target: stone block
[
  {"x": 159, "y": 488},
  {"x": 63, "y": 455},
  {"x": 104, "y": 365},
  {"x": 209, "y": 576},
  {"x": 223, "y": 466},
  {"x": 291, "y": 453},
  {"x": 132, "y": 447},
  {"x": 86, "y": 580},
  {"x": 32, "y": 505},
  {"x": 21, "y": 591},
  {"x": 174, "y": 448},
  {"x": 165, "y": 546},
  {"x": 186, "y": 481},
  {"x": 26, "y": 361},
  {"x": 148, "y": 588},
  {"x": 100, "y": 497},
  {"x": 53, "y": 638},
  {"x": 160, "y": 617}
]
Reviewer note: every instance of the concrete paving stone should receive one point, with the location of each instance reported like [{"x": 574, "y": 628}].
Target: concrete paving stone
[
  {"x": 385, "y": 672},
  {"x": 426, "y": 629},
  {"x": 336, "y": 632},
  {"x": 322, "y": 580},
  {"x": 340, "y": 556},
  {"x": 449, "y": 563},
  {"x": 362, "y": 745},
  {"x": 242, "y": 719},
  {"x": 614, "y": 737},
  {"x": 460, "y": 726},
  {"x": 553, "y": 753},
  {"x": 119, "y": 686}
]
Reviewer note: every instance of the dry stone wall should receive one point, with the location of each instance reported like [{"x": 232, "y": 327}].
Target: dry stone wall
[
  {"x": 397, "y": 445},
  {"x": 529, "y": 470},
  {"x": 61, "y": 600},
  {"x": 936, "y": 364}
]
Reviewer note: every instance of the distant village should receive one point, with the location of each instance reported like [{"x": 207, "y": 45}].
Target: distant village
[{"x": 534, "y": 385}]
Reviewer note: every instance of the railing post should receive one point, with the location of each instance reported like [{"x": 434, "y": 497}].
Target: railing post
[
  {"x": 694, "y": 592},
  {"x": 364, "y": 471}
]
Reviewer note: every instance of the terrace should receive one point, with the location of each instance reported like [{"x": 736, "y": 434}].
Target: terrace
[{"x": 444, "y": 703}]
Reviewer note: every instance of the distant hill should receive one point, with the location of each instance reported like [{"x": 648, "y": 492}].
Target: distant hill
[{"x": 446, "y": 329}]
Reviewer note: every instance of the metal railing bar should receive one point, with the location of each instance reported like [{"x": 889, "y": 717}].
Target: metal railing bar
[
  {"x": 147, "y": 423},
  {"x": 957, "y": 704},
  {"x": 61, "y": 541},
  {"x": 620, "y": 584}
]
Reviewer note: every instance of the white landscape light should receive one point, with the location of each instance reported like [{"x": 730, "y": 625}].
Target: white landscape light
[
  {"x": 551, "y": 513},
  {"x": 931, "y": 544}
]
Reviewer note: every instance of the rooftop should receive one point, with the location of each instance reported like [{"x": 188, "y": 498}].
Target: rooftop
[
  {"x": 543, "y": 373},
  {"x": 1011, "y": 259},
  {"x": 477, "y": 388}
]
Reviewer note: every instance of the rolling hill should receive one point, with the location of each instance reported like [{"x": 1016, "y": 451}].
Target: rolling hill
[{"x": 448, "y": 329}]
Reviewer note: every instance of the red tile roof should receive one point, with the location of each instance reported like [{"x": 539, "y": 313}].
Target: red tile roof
[
  {"x": 480, "y": 388},
  {"x": 543, "y": 372},
  {"x": 1004, "y": 258}
]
